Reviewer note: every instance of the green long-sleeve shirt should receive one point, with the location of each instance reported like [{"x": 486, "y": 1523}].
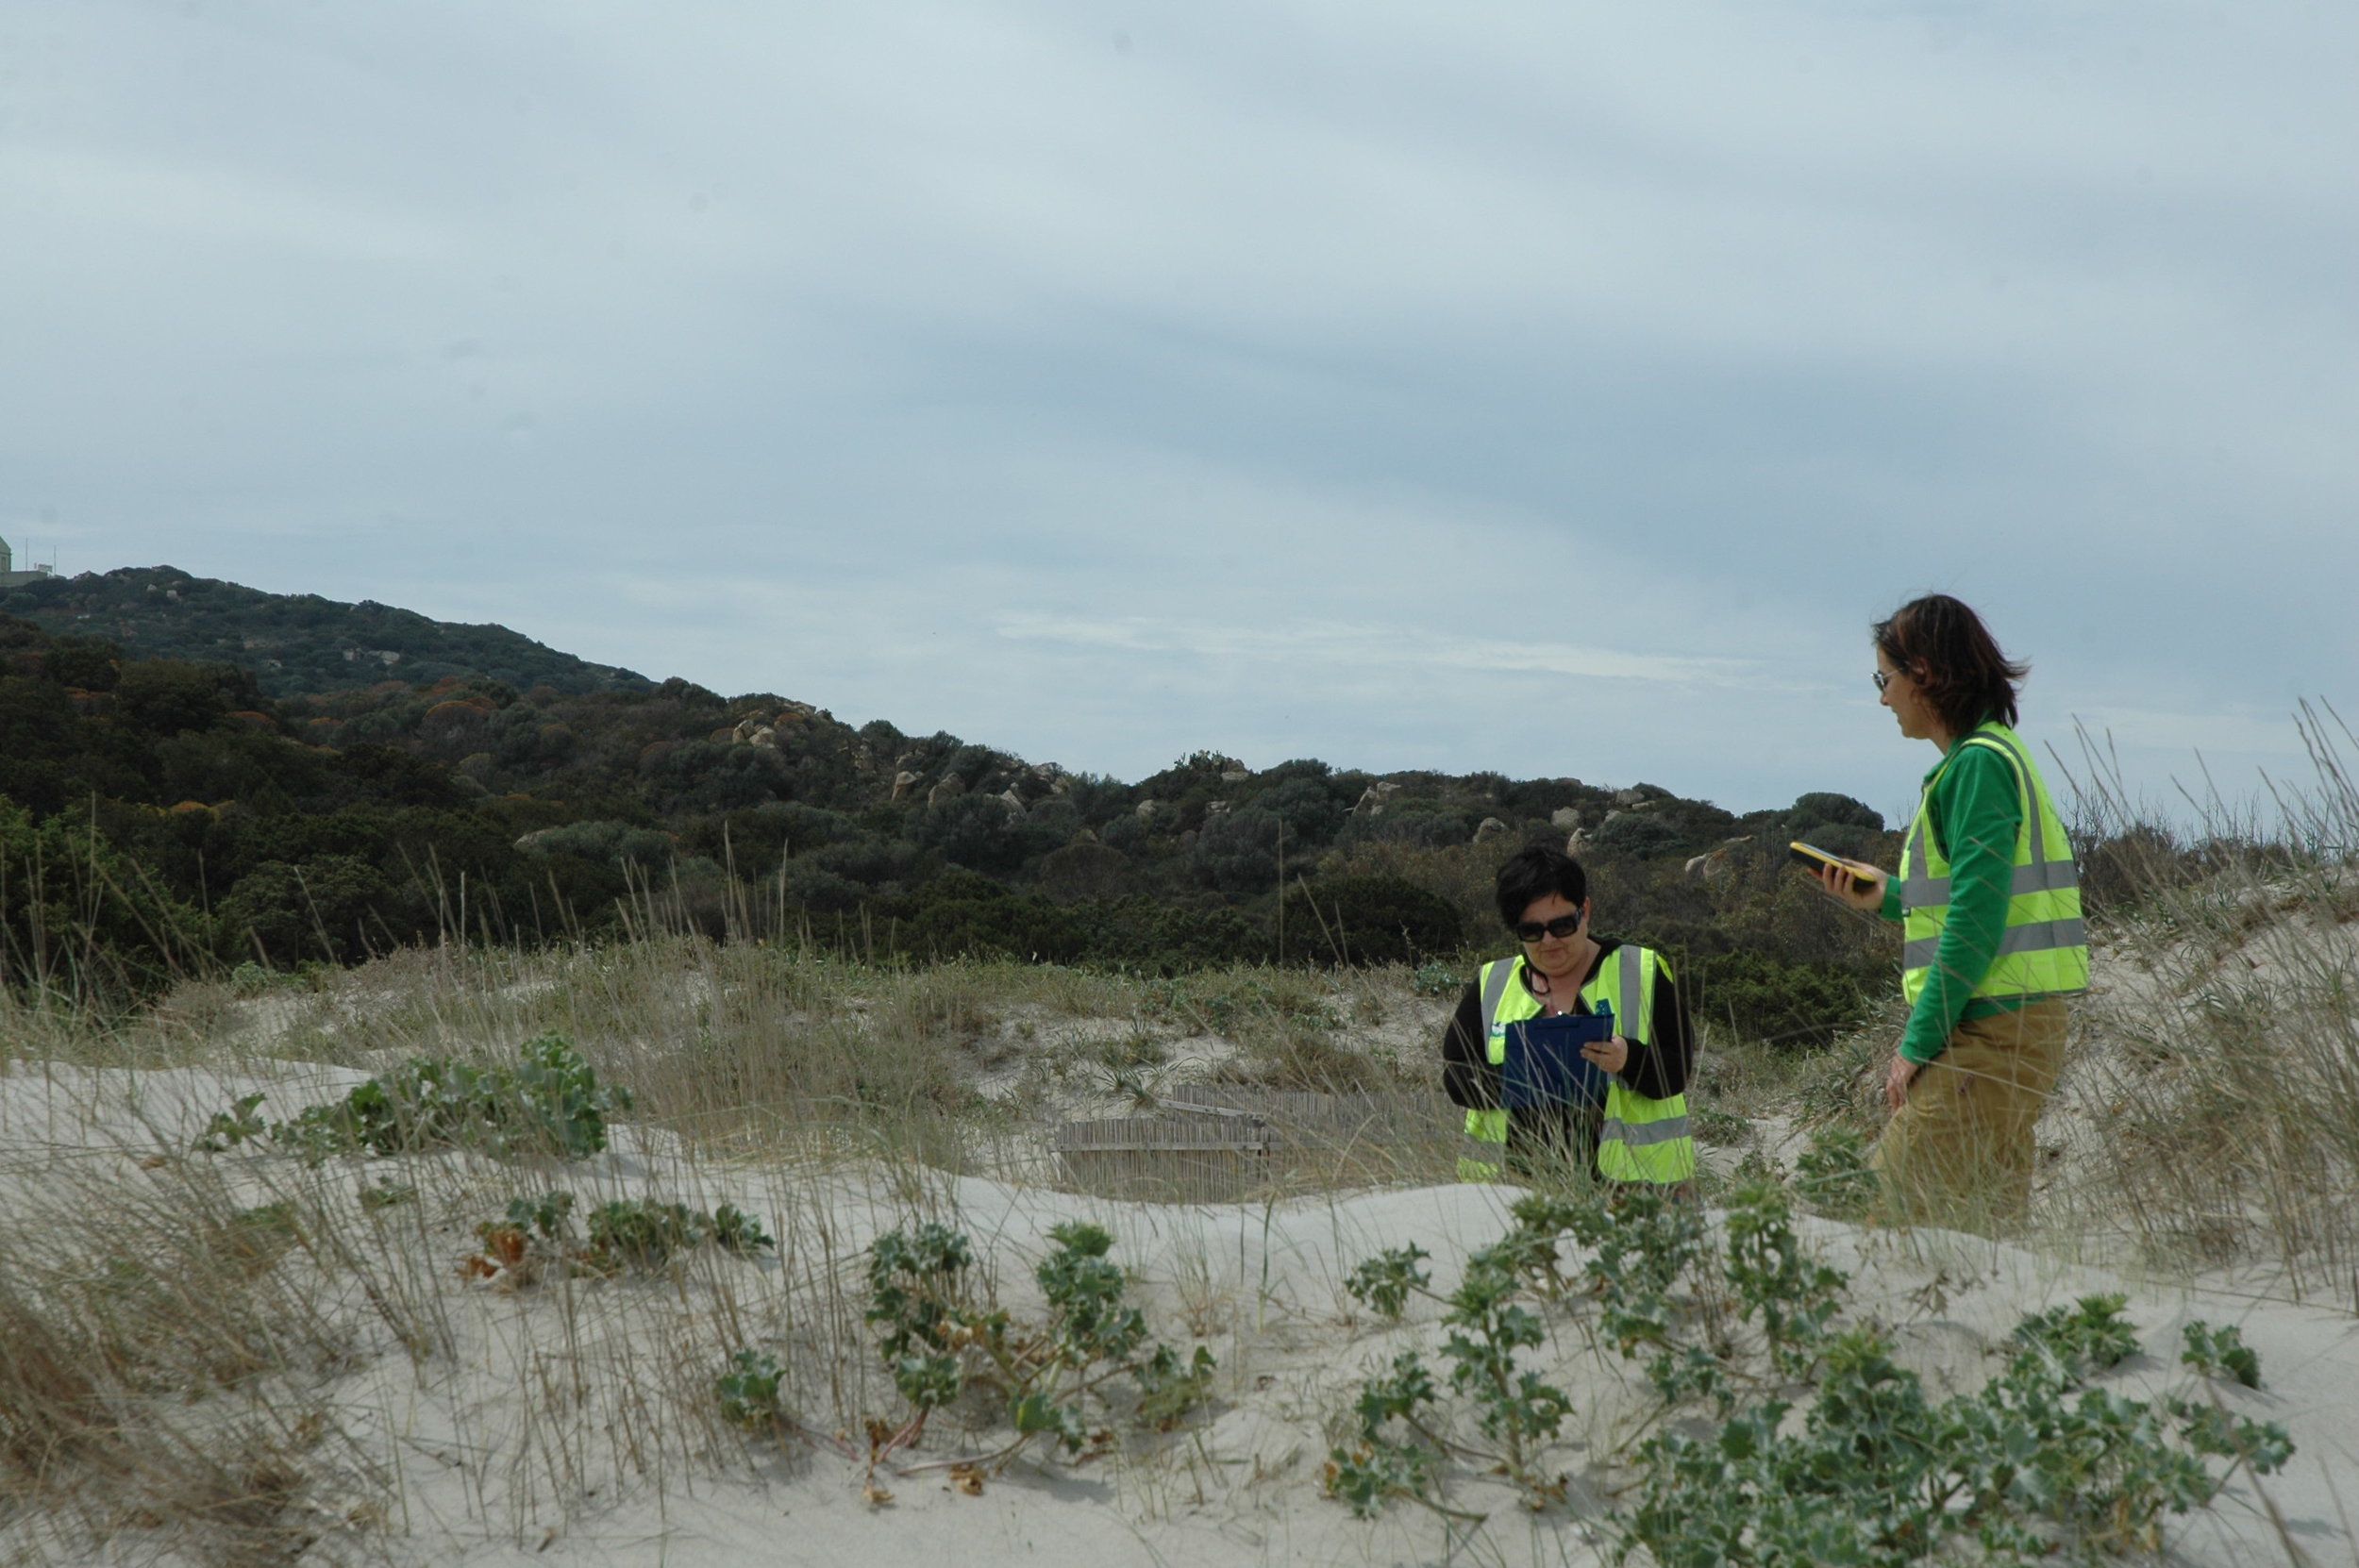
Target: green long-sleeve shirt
[{"x": 1976, "y": 810}]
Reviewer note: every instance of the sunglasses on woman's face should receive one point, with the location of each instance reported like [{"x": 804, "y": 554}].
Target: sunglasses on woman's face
[{"x": 1532, "y": 930}]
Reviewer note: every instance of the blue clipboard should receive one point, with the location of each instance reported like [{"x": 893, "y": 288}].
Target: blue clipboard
[{"x": 1544, "y": 1065}]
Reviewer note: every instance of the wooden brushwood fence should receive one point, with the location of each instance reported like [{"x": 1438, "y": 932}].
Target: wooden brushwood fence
[{"x": 1221, "y": 1143}]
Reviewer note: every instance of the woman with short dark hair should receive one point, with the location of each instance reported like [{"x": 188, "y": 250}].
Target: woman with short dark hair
[
  {"x": 1992, "y": 940},
  {"x": 1623, "y": 1116}
]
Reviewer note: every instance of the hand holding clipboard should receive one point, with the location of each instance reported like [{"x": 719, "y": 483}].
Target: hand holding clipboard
[{"x": 1564, "y": 1059}]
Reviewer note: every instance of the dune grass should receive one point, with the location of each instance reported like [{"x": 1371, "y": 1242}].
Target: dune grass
[{"x": 2218, "y": 1078}]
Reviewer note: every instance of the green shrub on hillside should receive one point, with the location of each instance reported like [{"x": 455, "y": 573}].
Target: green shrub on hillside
[
  {"x": 328, "y": 905},
  {"x": 1414, "y": 822},
  {"x": 964, "y": 915},
  {"x": 1637, "y": 836},
  {"x": 1237, "y": 851},
  {"x": 77, "y": 919},
  {"x": 1379, "y": 920},
  {"x": 612, "y": 843},
  {"x": 1791, "y": 1006}
]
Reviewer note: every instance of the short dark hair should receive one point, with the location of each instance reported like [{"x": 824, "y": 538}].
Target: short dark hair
[
  {"x": 1533, "y": 874},
  {"x": 1942, "y": 646}
]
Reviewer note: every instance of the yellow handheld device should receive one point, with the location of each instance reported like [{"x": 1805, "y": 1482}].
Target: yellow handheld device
[{"x": 1812, "y": 858}]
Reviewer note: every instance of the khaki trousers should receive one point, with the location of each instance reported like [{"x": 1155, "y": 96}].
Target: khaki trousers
[{"x": 1960, "y": 1151}]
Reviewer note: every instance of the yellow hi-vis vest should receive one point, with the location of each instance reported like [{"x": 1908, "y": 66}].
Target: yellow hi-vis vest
[
  {"x": 1641, "y": 1140},
  {"x": 2044, "y": 950}
]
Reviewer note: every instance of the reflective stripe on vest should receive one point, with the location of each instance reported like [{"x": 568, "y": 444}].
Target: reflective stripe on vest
[
  {"x": 1639, "y": 1139},
  {"x": 1484, "y": 1156},
  {"x": 2044, "y": 949}
]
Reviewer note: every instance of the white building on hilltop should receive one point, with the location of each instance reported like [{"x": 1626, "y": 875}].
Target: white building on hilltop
[{"x": 11, "y": 577}]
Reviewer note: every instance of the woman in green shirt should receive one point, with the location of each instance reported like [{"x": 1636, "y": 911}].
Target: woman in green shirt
[{"x": 1990, "y": 903}]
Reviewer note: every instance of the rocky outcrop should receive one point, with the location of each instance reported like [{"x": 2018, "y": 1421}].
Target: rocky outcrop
[{"x": 764, "y": 729}]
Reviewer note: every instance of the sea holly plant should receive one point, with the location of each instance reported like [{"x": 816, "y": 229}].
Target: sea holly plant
[
  {"x": 1642, "y": 1244},
  {"x": 937, "y": 1341},
  {"x": 1876, "y": 1473},
  {"x": 550, "y": 1103},
  {"x": 915, "y": 1295},
  {"x": 642, "y": 1235},
  {"x": 1383, "y": 1283},
  {"x": 1849, "y": 1461},
  {"x": 1776, "y": 1279},
  {"x": 228, "y": 1128},
  {"x": 734, "y": 1231},
  {"x": 2220, "y": 1351},
  {"x": 1169, "y": 1387},
  {"x": 1661, "y": 1296},
  {"x": 1396, "y": 1444},
  {"x": 1833, "y": 1176},
  {"x": 1393, "y": 1447},
  {"x": 1514, "y": 1408},
  {"x": 748, "y": 1394},
  {"x": 561, "y": 1102},
  {"x": 2089, "y": 1335}
]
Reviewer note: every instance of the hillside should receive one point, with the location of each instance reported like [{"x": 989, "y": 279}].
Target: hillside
[
  {"x": 296, "y": 645},
  {"x": 211, "y": 819}
]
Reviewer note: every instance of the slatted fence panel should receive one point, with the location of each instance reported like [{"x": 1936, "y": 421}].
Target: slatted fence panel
[
  {"x": 1209, "y": 1142},
  {"x": 1168, "y": 1159}
]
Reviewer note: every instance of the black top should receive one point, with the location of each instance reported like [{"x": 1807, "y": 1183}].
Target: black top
[{"x": 1657, "y": 1068}]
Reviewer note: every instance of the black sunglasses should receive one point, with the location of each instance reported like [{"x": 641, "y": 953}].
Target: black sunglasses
[
  {"x": 1532, "y": 930},
  {"x": 1881, "y": 680}
]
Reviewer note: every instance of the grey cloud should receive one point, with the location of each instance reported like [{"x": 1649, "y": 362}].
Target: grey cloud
[{"x": 810, "y": 349}]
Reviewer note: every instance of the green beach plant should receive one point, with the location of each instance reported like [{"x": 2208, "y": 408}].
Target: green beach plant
[{"x": 936, "y": 1342}]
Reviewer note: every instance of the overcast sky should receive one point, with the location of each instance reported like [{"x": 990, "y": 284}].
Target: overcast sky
[{"x": 1557, "y": 388}]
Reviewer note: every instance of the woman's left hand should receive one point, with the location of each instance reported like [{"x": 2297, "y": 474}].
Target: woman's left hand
[{"x": 1610, "y": 1056}]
